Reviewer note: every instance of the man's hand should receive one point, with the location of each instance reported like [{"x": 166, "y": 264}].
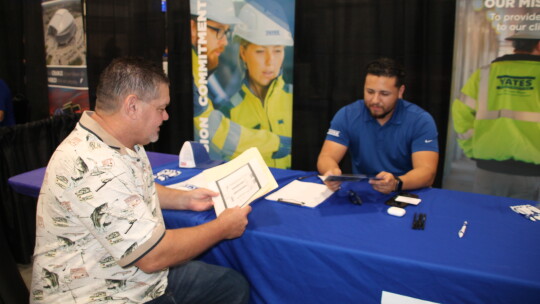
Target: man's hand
[
  {"x": 199, "y": 199},
  {"x": 334, "y": 185},
  {"x": 234, "y": 221},
  {"x": 194, "y": 200},
  {"x": 183, "y": 244},
  {"x": 328, "y": 162},
  {"x": 384, "y": 183}
]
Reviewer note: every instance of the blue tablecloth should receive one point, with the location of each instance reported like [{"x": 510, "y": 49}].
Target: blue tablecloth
[{"x": 345, "y": 253}]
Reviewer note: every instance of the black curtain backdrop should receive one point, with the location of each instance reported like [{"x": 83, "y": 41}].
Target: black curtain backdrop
[
  {"x": 334, "y": 40},
  {"x": 23, "y": 147},
  {"x": 26, "y": 147},
  {"x": 119, "y": 28}
]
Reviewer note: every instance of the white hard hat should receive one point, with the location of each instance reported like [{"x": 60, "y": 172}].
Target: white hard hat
[
  {"x": 61, "y": 20},
  {"x": 527, "y": 30},
  {"x": 263, "y": 25},
  {"x": 221, "y": 11}
]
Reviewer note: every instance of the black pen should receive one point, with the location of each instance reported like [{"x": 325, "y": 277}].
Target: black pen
[
  {"x": 306, "y": 176},
  {"x": 290, "y": 202},
  {"x": 415, "y": 221}
]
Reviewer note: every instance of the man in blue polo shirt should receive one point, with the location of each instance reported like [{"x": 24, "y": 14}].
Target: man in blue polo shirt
[{"x": 387, "y": 136}]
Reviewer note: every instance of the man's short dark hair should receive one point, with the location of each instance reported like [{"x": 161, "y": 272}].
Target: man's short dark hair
[
  {"x": 129, "y": 75},
  {"x": 524, "y": 45},
  {"x": 388, "y": 68}
]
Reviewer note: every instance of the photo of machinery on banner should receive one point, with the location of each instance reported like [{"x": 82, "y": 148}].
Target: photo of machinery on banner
[
  {"x": 495, "y": 108},
  {"x": 65, "y": 48},
  {"x": 242, "y": 57}
]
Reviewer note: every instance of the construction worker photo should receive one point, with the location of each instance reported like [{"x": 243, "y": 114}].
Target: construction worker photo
[
  {"x": 497, "y": 119},
  {"x": 264, "y": 100},
  {"x": 256, "y": 109}
]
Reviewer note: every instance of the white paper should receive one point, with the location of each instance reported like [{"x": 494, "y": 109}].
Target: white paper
[
  {"x": 529, "y": 211},
  {"x": 301, "y": 193},
  {"x": 408, "y": 200},
  {"x": 239, "y": 186},
  {"x": 394, "y": 298},
  {"x": 240, "y": 181}
]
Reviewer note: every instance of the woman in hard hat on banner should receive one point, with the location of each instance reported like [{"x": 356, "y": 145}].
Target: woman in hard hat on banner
[{"x": 264, "y": 100}]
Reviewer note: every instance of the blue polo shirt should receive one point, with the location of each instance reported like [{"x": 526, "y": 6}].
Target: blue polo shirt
[{"x": 374, "y": 148}]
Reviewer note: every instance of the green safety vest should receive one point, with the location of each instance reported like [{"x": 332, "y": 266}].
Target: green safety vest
[{"x": 497, "y": 116}]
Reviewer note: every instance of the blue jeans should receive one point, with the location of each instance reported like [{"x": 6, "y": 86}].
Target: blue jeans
[{"x": 198, "y": 282}]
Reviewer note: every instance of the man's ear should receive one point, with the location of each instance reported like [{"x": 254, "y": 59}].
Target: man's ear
[
  {"x": 131, "y": 106},
  {"x": 401, "y": 91},
  {"x": 536, "y": 50}
]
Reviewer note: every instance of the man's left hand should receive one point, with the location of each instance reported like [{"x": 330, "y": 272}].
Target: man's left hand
[{"x": 385, "y": 182}]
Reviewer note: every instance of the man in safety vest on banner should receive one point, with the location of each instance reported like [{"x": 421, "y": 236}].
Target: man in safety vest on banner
[{"x": 497, "y": 118}]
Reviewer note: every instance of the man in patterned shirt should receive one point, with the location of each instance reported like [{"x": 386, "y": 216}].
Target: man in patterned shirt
[{"x": 100, "y": 235}]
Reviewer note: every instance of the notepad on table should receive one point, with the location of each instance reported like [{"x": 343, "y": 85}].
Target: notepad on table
[{"x": 305, "y": 194}]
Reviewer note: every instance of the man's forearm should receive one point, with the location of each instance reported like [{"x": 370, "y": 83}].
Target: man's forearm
[
  {"x": 181, "y": 245},
  {"x": 325, "y": 164},
  {"x": 418, "y": 178},
  {"x": 423, "y": 172},
  {"x": 166, "y": 197}
]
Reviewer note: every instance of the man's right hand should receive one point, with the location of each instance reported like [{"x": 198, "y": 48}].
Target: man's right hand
[
  {"x": 183, "y": 244},
  {"x": 234, "y": 221},
  {"x": 335, "y": 184}
]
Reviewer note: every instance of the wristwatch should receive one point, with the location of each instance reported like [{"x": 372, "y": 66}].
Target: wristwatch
[{"x": 399, "y": 184}]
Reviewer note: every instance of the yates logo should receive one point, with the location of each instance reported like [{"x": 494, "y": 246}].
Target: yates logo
[{"x": 515, "y": 82}]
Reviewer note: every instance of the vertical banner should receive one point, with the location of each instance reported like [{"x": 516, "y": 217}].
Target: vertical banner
[
  {"x": 488, "y": 30},
  {"x": 242, "y": 55},
  {"x": 65, "y": 50}
]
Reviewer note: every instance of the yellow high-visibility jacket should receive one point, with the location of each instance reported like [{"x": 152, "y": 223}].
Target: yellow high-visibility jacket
[
  {"x": 273, "y": 114},
  {"x": 497, "y": 116},
  {"x": 224, "y": 138}
]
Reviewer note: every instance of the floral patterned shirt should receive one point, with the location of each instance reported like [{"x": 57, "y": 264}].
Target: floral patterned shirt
[{"x": 97, "y": 214}]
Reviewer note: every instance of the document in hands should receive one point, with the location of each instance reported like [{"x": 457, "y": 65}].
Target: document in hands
[
  {"x": 240, "y": 181},
  {"x": 301, "y": 193}
]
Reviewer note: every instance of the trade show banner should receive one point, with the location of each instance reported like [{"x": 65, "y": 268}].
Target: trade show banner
[
  {"x": 242, "y": 55},
  {"x": 482, "y": 29},
  {"x": 65, "y": 50}
]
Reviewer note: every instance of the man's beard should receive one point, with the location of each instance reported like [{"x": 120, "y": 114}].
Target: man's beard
[
  {"x": 379, "y": 116},
  {"x": 213, "y": 62}
]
